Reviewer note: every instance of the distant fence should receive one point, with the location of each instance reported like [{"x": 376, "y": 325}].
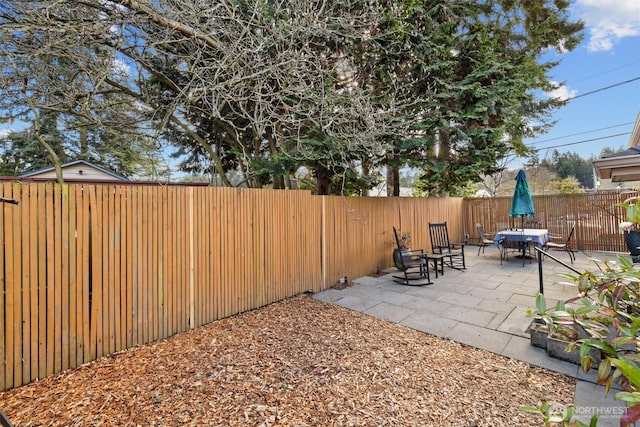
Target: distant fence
[
  {"x": 89, "y": 270},
  {"x": 596, "y": 218}
]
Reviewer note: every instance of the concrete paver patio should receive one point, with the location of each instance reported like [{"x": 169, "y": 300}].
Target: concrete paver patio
[{"x": 485, "y": 306}]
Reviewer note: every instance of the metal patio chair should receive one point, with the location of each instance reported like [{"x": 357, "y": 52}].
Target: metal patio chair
[
  {"x": 484, "y": 239},
  {"x": 564, "y": 246}
]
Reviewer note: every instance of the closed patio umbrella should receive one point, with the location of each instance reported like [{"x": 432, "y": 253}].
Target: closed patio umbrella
[{"x": 522, "y": 203}]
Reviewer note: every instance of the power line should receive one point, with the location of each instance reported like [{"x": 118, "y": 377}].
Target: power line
[
  {"x": 584, "y": 141},
  {"x": 581, "y": 133},
  {"x": 605, "y": 72},
  {"x": 604, "y": 88}
]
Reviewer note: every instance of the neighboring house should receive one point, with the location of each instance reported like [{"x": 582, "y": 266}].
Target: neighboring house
[
  {"x": 623, "y": 166},
  {"x": 81, "y": 171},
  {"x": 78, "y": 170}
]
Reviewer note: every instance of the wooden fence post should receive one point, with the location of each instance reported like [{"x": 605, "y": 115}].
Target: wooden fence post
[{"x": 191, "y": 264}]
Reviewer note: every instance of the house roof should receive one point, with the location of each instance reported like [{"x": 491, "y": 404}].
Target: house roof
[
  {"x": 76, "y": 163},
  {"x": 625, "y": 165}
]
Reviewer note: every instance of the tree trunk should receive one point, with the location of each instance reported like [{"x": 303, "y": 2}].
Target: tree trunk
[
  {"x": 323, "y": 181},
  {"x": 57, "y": 165},
  {"x": 37, "y": 130},
  {"x": 393, "y": 181}
]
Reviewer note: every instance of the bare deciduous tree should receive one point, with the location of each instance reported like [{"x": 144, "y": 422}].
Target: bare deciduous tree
[{"x": 263, "y": 87}]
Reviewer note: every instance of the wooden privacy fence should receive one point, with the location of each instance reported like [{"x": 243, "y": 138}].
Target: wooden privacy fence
[
  {"x": 88, "y": 270},
  {"x": 596, "y": 218}
]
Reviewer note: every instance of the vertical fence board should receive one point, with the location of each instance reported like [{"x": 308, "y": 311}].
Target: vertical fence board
[
  {"x": 175, "y": 259},
  {"x": 143, "y": 265},
  {"x": 125, "y": 260},
  {"x": 18, "y": 297},
  {"x": 201, "y": 266},
  {"x": 10, "y": 287},
  {"x": 112, "y": 288},
  {"x": 72, "y": 275},
  {"x": 51, "y": 278},
  {"x": 244, "y": 230},
  {"x": 136, "y": 268},
  {"x": 146, "y": 265},
  {"x": 155, "y": 280},
  {"x": 40, "y": 256},
  {"x": 179, "y": 284},
  {"x": 83, "y": 260},
  {"x": 163, "y": 260},
  {"x": 120, "y": 289},
  {"x": 58, "y": 266},
  {"x": 63, "y": 275},
  {"x": 108, "y": 297},
  {"x": 97, "y": 295},
  {"x": 217, "y": 251},
  {"x": 225, "y": 244},
  {"x": 4, "y": 358},
  {"x": 28, "y": 304}
]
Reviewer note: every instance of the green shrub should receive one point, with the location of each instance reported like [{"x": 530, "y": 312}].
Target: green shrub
[{"x": 606, "y": 313}]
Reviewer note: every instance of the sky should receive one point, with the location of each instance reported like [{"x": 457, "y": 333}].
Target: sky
[{"x": 602, "y": 75}]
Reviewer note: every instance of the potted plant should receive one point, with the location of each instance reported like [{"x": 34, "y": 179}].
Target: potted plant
[
  {"x": 631, "y": 227},
  {"x": 405, "y": 241},
  {"x": 606, "y": 317},
  {"x": 405, "y": 248},
  {"x": 559, "y": 331}
]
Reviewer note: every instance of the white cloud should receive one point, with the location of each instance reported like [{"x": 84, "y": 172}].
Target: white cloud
[
  {"x": 608, "y": 21},
  {"x": 562, "y": 92},
  {"x": 5, "y": 132},
  {"x": 121, "y": 69}
]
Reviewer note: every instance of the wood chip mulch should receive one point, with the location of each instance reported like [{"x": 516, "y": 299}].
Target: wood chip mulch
[{"x": 299, "y": 362}]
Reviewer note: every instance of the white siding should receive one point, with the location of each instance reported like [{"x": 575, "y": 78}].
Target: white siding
[{"x": 76, "y": 172}]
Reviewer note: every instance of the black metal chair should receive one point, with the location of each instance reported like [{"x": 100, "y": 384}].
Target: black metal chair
[
  {"x": 503, "y": 250},
  {"x": 440, "y": 244},
  {"x": 521, "y": 246},
  {"x": 564, "y": 246},
  {"x": 412, "y": 265},
  {"x": 484, "y": 240}
]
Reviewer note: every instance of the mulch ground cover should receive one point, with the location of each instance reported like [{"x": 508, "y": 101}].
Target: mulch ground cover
[{"x": 299, "y": 362}]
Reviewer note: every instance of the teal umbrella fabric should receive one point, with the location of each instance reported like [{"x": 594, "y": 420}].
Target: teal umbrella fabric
[{"x": 522, "y": 203}]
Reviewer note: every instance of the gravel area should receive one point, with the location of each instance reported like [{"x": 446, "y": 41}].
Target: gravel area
[{"x": 299, "y": 362}]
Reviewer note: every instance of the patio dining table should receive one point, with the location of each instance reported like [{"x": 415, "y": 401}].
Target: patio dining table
[{"x": 538, "y": 236}]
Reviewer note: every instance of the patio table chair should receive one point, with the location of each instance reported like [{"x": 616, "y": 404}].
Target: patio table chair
[
  {"x": 484, "y": 238},
  {"x": 564, "y": 246},
  {"x": 521, "y": 247}
]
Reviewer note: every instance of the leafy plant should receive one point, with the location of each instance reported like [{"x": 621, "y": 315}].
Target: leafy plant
[
  {"x": 405, "y": 240},
  {"x": 633, "y": 214},
  {"x": 607, "y": 313}
]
